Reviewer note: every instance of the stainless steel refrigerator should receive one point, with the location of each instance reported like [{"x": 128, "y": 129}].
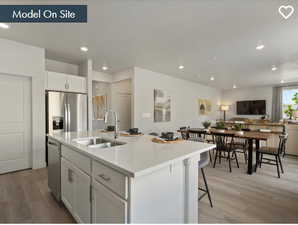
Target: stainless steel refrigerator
[{"x": 65, "y": 112}]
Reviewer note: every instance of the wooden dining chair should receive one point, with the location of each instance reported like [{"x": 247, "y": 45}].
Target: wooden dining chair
[
  {"x": 275, "y": 152},
  {"x": 241, "y": 145},
  {"x": 196, "y": 136},
  {"x": 184, "y": 133},
  {"x": 225, "y": 144}
]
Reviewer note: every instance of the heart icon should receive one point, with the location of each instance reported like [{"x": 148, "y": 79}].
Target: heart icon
[{"x": 286, "y": 11}]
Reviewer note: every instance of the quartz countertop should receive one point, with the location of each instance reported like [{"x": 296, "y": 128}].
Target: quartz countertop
[{"x": 138, "y": 156}]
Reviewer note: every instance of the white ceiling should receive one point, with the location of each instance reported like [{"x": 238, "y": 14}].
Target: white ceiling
[{"x": 209, "y": 37}]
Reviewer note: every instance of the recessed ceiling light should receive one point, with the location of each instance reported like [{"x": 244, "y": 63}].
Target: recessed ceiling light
[
  {"x": 104, "y": 68},
  {"x": 212, "y": 78},
  {"x": 274, "y": 68},
  {"x": 234, "y": 86},
  {"x": 282, "y": 81},
  {"x": 4, "y": 26},
  {"x": 260, "y": 47},
  {"x": 84, "y": 49},
  {"x": 181, "y": 67}
]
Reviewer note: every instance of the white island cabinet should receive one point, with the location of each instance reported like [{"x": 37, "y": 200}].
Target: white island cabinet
[
  {"x": 75, "y": 191},
  {"x": 138, "y": 182},
  {"x": 107, "y": 206}
]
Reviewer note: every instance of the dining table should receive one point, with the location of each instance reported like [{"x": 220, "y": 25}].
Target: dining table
[{"x": 252, "y": 137}]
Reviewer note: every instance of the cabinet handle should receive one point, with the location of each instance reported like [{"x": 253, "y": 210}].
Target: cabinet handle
[
  {"x": 70, "y": 178},
  {"x": 104, "y": 177},
  {"x": 66, "y": 86}
]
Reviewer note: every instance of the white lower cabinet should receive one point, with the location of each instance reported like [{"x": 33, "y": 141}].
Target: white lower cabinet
[
  {"x": 107, "y": 207},
  {"x": 75, "y": 191}
]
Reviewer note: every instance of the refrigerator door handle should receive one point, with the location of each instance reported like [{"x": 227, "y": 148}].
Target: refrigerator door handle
[{"x": 68, "y": 117}]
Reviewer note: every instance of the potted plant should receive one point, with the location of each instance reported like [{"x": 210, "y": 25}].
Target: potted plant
[
  {"x": 290, "y": 112},
  {"x": 206, "y": 124},
  {"x": 238, "y": 127},
  {"x": 220, "y": 126}
]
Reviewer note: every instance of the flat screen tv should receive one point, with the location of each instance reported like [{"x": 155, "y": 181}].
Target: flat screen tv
[{"x": 257, "y": 107}]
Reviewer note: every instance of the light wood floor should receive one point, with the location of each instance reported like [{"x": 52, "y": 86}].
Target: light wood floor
[
  {"x": 257, "y": 198},
  {"x": 24, "y": 198},
  {"x": 237, "y": 197}
]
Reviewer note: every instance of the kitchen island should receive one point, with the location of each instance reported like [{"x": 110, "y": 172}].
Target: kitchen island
[{"x": 135, "y": 181}]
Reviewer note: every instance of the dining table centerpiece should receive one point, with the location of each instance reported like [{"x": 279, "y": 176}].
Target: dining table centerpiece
[
  {"x": 220, "y": 126},
  {"x": 238, "y": 128}
]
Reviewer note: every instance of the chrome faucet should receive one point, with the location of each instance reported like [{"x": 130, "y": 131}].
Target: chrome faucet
[{"x": 116, "y": 122}]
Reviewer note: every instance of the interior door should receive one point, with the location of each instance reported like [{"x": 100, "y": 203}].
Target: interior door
[
  {"x": 122, "y": 105},
  {"x": 77, "y": 108},
  {"x": 15, "y": 123}
]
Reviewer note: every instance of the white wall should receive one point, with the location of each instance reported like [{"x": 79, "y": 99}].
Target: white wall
[
  {"x": 123, "y": 75},
  {"x": 61, "y": 67},
  {"x": 100, "y": 76},
  {"x": 85, "y": 70},
  {"x": 25, "y": 60},
  {"x": 230, "y": 97},
  {"x": 115, "y": 77},
  {"x": 184, "y": 101}
]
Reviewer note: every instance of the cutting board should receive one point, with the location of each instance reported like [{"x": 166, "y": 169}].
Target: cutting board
[
  {"x": 130, "y": 135},
  {"x": 160, "y": 141}
]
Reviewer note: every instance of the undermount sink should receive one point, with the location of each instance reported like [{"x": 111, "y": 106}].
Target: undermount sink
[{"x": 95, "y": 142}]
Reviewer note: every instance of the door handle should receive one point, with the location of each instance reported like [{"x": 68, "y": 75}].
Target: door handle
[
  {"x": 65, "y": 118},
  {"x": 70, "y": 175},
  {"x": 69, "y": 119}
]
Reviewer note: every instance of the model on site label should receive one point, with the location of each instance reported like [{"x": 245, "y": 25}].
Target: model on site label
[
  {"x": 47, "y": 14},
  {"x": 43, "y": 13}
]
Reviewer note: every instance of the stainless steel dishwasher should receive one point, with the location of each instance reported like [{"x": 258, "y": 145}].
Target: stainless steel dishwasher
[{"x": 54, "y": 168}]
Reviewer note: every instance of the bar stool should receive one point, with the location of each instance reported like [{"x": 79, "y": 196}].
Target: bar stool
[
  {"x": 199, "y": 136},
  {"x": 204, "y": 161}
]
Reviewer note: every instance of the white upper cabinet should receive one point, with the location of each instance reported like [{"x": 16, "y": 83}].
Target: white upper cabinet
[{"x": 65, "y": 82}]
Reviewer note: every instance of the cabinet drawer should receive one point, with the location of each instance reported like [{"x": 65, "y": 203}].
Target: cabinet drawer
[
  {"x": 112, "y": 179},
  {"x": 79, "y": 160}
]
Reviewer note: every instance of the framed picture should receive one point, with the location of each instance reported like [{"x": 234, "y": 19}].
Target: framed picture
[
  {"x": 99, "y": 107},
  {"x": 162, "y": 106},
  {"x": 205, "y": 106}
]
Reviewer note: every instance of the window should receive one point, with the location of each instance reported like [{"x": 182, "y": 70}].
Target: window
[{"x": 287, "y": 95}]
